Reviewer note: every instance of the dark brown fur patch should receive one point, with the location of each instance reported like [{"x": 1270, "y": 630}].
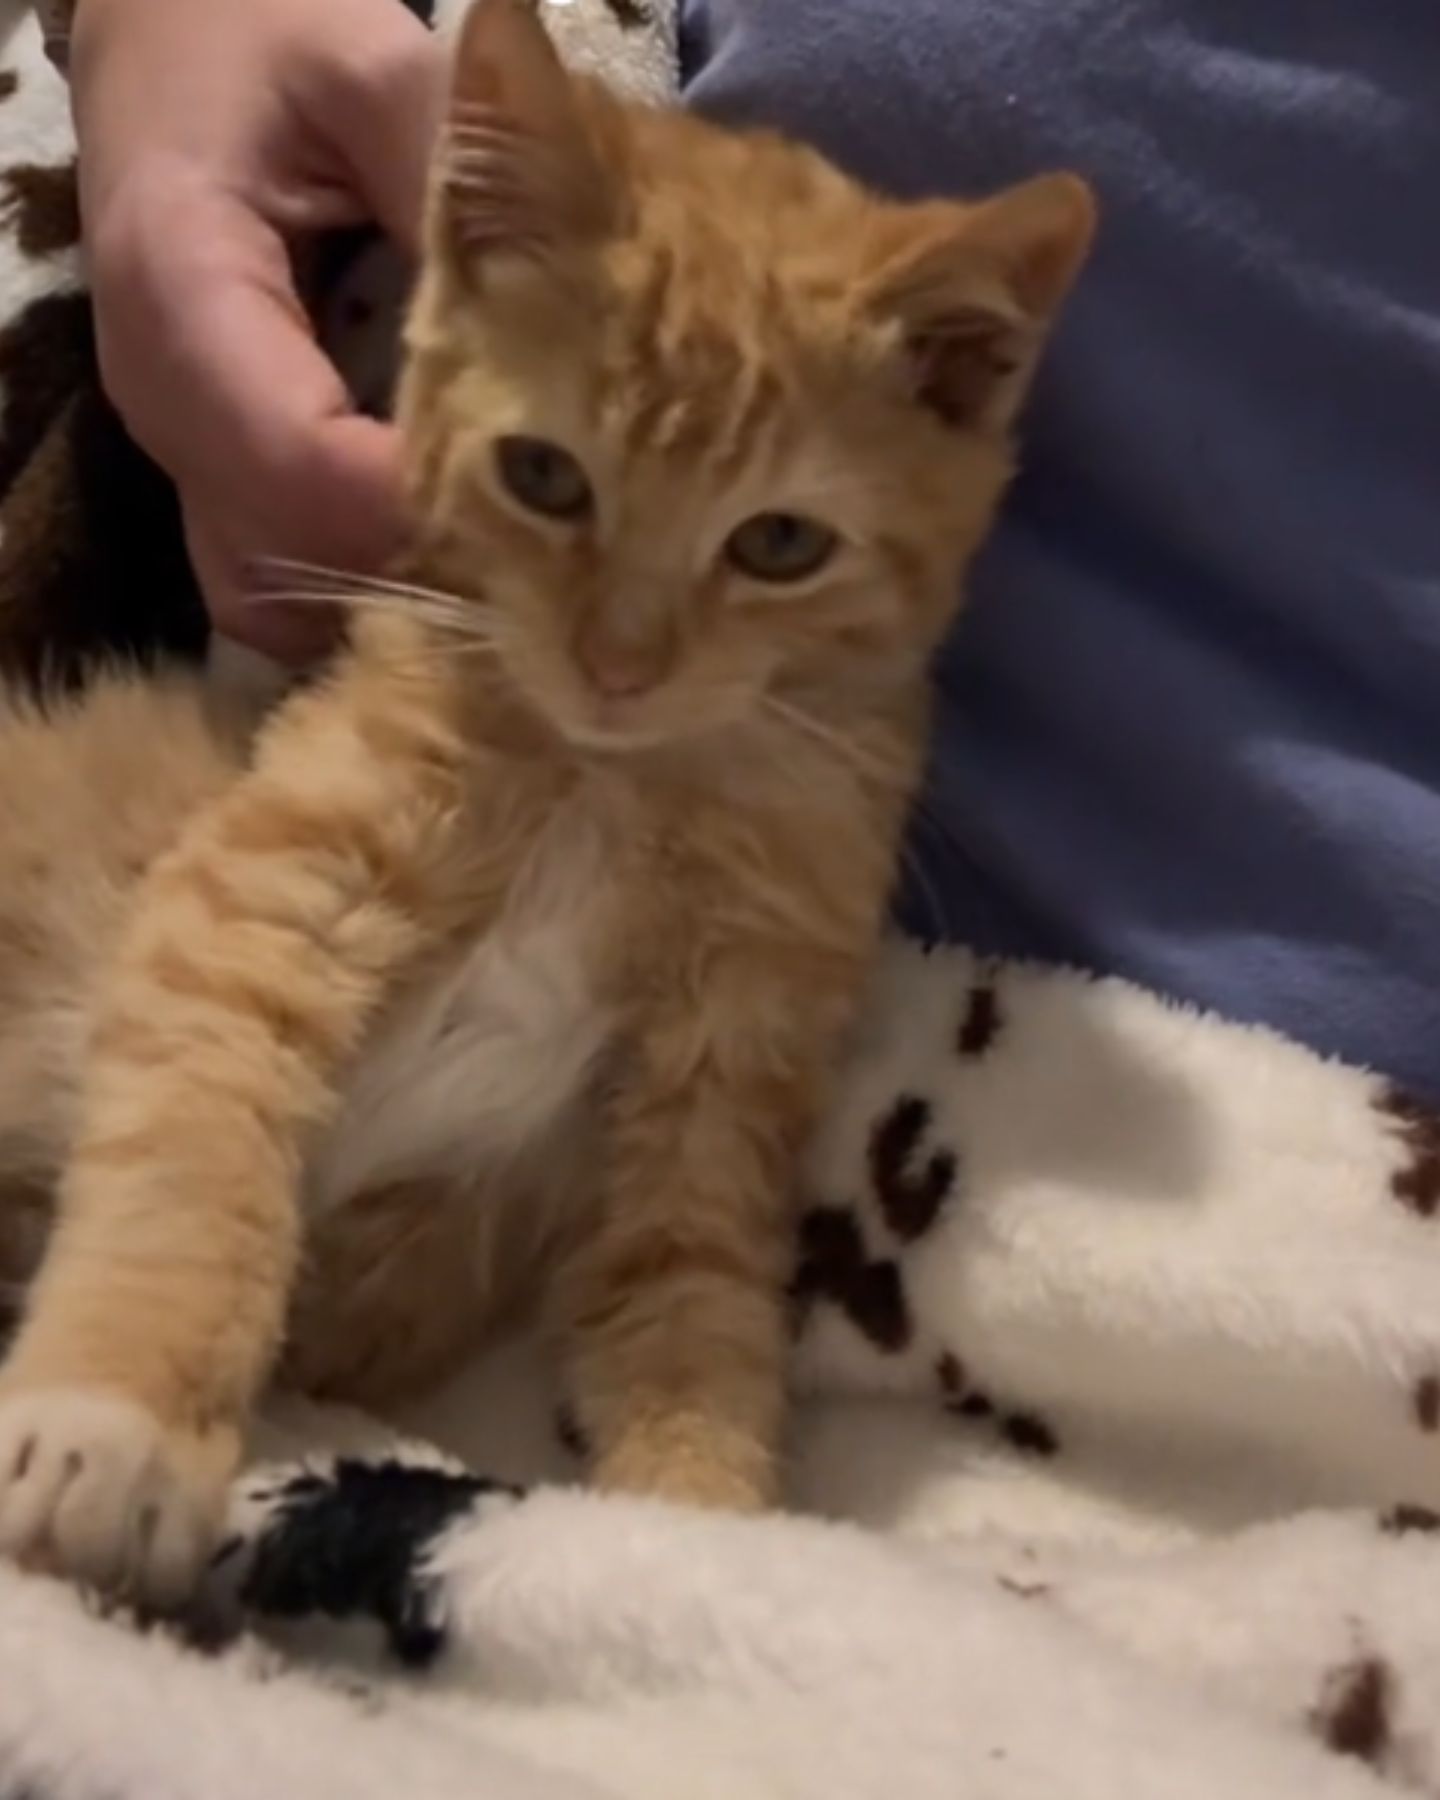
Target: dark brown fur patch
[
  {"x": 44, "y": 357},
  {"x": 1400, "y": 1521},
  {"x": 1029, "y": 1434},
  {"x": 42, "y": 204},
  {"x": 1353, "y": 1717},
  {"x": 981, "y": 1025},
  {"x": 1416, "y": 1183},
  {"x": 634, "y": 15},
  {"x": 89, "y": 521},
  {"x": 834, "y": 1267},
  {"x": 574, "y": 1440},
  {"x": 910, "y": 1198},
  {"x": 957, "y": 1395},
  {"x": 1427, "y": 1403}
]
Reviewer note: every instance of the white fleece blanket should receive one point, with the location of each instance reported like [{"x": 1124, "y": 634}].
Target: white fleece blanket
[{"x": 1115, "y": 1469}]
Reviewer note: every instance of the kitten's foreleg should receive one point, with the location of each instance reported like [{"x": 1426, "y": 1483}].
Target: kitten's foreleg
[
  {"x": 678, "y": 1360},
  {"x": 259, "y": 951}
]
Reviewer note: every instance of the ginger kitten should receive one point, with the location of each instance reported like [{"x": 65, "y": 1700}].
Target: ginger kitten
[{"x": 516, "y": 952}]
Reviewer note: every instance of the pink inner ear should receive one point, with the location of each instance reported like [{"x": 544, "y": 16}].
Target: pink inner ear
[
  {"x": 521, "y": 172},
  {"x": 496, "y": 182},
  {"x": 964, "y": 362}
]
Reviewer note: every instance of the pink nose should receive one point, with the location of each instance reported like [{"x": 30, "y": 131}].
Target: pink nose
[{"x": 621, "y": 672}]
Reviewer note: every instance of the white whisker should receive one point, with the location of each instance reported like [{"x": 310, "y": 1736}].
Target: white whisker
[
  {"x": 912, "y": 866},
  {"x": 851, "y": 756},
  {"x": 842, "y": 748},
  {"x": 282, "y": 583},
  {"x": 319, "y": 574}
]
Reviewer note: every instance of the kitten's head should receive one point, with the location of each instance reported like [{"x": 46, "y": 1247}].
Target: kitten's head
[{"x": 695, "y": 418}]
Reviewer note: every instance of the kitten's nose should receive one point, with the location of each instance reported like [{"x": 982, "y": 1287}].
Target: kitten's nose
[{"x": 621, "y": 671}]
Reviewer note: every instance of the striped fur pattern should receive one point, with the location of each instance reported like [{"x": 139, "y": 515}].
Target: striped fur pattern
[{"x": 511, "y": 956}]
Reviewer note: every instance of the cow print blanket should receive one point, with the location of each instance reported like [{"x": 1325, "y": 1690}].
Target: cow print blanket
[{"x": 1115, "y": 1469}]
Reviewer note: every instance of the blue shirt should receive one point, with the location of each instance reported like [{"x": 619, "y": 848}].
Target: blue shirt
[{"x": 1190, "y": 725}]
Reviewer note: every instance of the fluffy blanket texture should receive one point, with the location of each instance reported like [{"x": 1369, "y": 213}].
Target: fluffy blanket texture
[{"x": 1116, "y": 1468}]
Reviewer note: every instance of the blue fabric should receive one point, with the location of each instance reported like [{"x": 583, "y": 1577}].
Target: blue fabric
[{"x": 1191, "y": 724}]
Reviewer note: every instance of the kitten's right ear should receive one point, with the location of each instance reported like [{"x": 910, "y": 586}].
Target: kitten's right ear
[{"x": 520, "y": 171}]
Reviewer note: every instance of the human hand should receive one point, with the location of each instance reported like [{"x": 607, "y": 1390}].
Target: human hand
[{"x": 213, "y": 136}]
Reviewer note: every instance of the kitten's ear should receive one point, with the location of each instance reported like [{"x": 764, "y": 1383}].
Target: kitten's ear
[
  {"x": 975, "y": 290},
  {"x": 521, "y": 172}
]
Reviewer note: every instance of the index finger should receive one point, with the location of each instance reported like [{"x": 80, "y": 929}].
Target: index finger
[{"x": 234, "y": 396}]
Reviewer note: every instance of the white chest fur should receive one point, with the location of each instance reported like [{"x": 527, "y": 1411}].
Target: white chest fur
[{"x": 489, "y": 1063}]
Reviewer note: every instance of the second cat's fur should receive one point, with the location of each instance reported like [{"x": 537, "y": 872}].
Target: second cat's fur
[{"x": 511, "y": 958}]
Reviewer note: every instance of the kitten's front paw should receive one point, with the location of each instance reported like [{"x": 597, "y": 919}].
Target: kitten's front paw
[{"x": 96, "y": 1488}]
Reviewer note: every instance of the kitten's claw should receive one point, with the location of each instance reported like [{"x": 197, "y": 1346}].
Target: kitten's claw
[{"x": 95, "y": 1488}]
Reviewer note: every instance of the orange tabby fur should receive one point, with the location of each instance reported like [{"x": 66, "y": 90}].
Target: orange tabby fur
[{"x": 633, "y": 810}]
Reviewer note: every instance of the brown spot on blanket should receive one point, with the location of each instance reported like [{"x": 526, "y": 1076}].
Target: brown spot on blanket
[
  {"x": 1401, "y": 1521},
  {"x": 9, "y": 82},
  {"x": 911, "y": 1191},
  {"x": 1025, "y": 1590},
  {"x": 1353, "y": 1717},
  {"x": 1426, "y": 1400},
  {"x": 950, "y": 1373},
  {"x": 1416, "y": 1183},
  {"x": 42, "y": 205},
  {"x": 981, "y": 1025},
  {"x": 834, "y": 1266}
]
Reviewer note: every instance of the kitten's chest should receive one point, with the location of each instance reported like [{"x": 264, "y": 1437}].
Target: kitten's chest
[{"x": 491, "y": 1057}]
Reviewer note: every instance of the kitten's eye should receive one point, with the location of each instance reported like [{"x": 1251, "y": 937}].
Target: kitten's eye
[
  {"x": 544, "y": 477},
  {"x": 780, "y": 547}
]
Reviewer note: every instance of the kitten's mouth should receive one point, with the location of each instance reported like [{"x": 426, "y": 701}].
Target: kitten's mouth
[
  {"x": 609, "y": 729},
  {"x": 615, "y": 726},
  {"x": 613, "y": 740}
]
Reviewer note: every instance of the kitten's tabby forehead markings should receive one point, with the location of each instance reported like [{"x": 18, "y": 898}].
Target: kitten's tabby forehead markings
[{"x": 714, "y": 325}]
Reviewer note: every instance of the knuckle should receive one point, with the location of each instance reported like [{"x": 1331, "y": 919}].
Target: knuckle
[{"x": 358, "y": 80}]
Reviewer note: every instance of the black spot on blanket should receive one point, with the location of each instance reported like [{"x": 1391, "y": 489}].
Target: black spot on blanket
[
  {"x": 1401, "y": 1521},
  {"x": 834, "y": 1267},
  {"x": 1416, "y": 1183},
  {"x": 950, "y": 1373},
  {"x": 981, "y": 1025},
  {"x": 351, "y": 1544},
  {"x": 956, "y": 1393},
  {"x": 1029, "y": 1433},
  {"x": 910, "y": 1197},
  {"x": 1354, "y": 1712},
  {"x": 1024, "y": 1431},
  {"x": 1426, "y": 1402}
]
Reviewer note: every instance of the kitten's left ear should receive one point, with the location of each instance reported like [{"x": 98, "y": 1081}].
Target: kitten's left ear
[
  {"x": 975, "y": 290},
  {"x": 521, "y": 170}
]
